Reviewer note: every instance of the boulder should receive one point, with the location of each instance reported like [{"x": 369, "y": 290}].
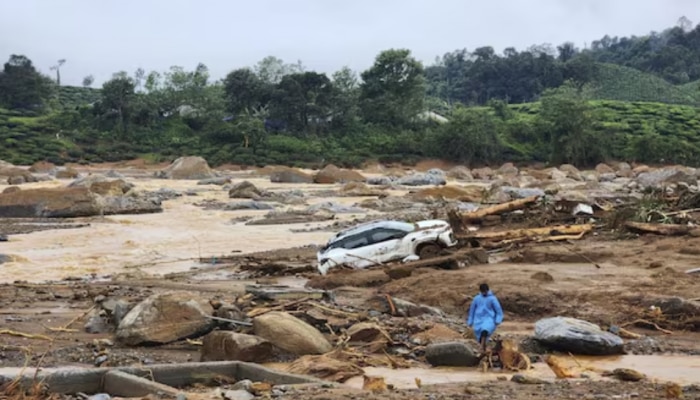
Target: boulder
[
  {"x": 233, "y": 346},
  {"x": 451, "y": 354},
  {"x": 604, "y": 169},
  {"x": 521, "y": 193},
  {"x": 607, "y": 177},
  {"x": 359, "y": 189},
  {"x": 420, "y": 179},
  {"x": 67, "y": 173},
  {"x": 43, "y": 167},
  {"x": 665, "y": 176},
  {"x": 367, "y": 332},
  {"x": 245, "y": 190},
  {"x": 465, "y": 193},
  {"x": 569, "y": 169},
  {"x": 324, "y": 367},
  {"x": 508, "y": 169},
  {"x": 577, "y": 336},
  {"x": 290, "y": 175},
  {"x": 114, "y": 174},
  {"x": 165, "y": 318},
  {"x": 11, "y": 189},
  {"x": 114, "y": 205},
  {"x": 248, "y": 205},
  {"x": 334, "y": 208},
  {"x": 290, "y": 334},
  {"x": 17, "y": 176},
  {"x": 100, "y": 184},
  {"x": 381, "y": 180},
  {"x": 219, "y": 181},
  {"x": 332, "y": 174},
  {"x": 624, "y": 170},
  {"x": 460, "y": 173},
  {"x": 49, "y": 203},
  {"x": 483, "y": 173},
  {"x": 187, "y": 168}
]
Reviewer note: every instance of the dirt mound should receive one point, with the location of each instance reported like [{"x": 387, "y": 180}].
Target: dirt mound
[
  {"x": 332, "y": 174},
  {"x": 359, "y": 278},
  {"x": 470, "y": 194}
]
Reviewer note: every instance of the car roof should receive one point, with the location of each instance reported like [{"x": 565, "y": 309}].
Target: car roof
[{"x": 391, "y": 224}]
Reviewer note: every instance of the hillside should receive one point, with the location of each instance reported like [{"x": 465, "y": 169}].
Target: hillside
[
  {"x": 615, "y": 82},
  {"x": 74, "y": 96}
]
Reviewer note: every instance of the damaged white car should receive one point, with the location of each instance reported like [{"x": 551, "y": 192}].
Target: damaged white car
[{"x": 379, "y": 242}]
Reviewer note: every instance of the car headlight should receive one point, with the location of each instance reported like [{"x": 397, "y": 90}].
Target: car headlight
[{"x": 323, "y": 261}]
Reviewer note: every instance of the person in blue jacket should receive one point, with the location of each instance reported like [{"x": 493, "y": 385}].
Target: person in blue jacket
[{"x": 485, "y": 314}]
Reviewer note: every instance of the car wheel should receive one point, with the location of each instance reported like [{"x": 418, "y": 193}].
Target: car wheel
[{"x": 428, "y": 251}]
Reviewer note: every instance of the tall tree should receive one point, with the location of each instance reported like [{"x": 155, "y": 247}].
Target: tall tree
[
  {"x": 118, "y": 95},
  {"x": 346, "y": 95},
  {"x": 57, "y": 68},
  {"x": 88, "y": 81},
  {"x": 22, "y": 86},
  {"x": 245, "y": 91},
  {"x": 303, "y": 101},
  {"x": 393, "y": 89}
]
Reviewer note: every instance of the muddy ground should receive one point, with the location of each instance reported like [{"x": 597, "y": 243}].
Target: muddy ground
[{"x": 606, "y": 278}]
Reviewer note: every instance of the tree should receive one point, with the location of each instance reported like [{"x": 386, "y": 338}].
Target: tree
[
  {"x": 345, "y": 98},
  {"x": 303, "y": 100},
  {"x": 118, "y": 95},
  {"x": 471, "y": 137},
  {"x": 393, "y": 89},
  {"x": 567, "y": 51},
  {"x": 244, "y": 90},
  {"x": 566, "y": 126},
  {"x": 22, "y": 86},
  {"x": 88, "y": 81},
  {"x": 57, "y": 68},
  {"x": 271, "y": 69}
]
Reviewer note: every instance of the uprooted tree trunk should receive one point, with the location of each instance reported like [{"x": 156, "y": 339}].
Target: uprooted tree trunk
[
  {"x": 460, "y": 219},
  {"x": 659, "y": 229}
]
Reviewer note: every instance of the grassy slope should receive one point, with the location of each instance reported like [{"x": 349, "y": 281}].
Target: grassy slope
[
  {"x": 74, "y": 96},
  {"x": 627, "y": 84}
]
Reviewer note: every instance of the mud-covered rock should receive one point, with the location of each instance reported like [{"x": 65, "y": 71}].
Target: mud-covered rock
[
  {"x": 577, "y": 336},
  {"x": 245, "y": 190},
  {"x": 452, "y": 354},
  {"x": 666, "y": 176},
  {"x": 218, "y": 181},
  {"x": 17, "y": 176},
  {"x": 249, "y": 205},
  {"x": 43, "y": 167},
  {"x": 187, "y": 168},
  {"x": 290, "y": 175},
  {"x": 420, "y": 179},
  {"x": 233, "y": 346},
  {"x": 102, "y": 185},
  {"x": 359, "y": 189},
  {"x": 381, "y": 180},
  {"x": 290, "y": 334},
  {"x": 115, "y": 205},
  {"x": 165, "y": 318},
  {"x": 49, "y": 203},
  {"x": 67, "y": 173},
  {"x": 461, "y": 173},
  {"x": 332, "y": 174}
]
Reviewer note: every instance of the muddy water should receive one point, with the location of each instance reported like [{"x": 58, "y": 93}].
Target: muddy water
[
  {"x": 154, "y": 243},
  {"x": 680, "y": 369}
]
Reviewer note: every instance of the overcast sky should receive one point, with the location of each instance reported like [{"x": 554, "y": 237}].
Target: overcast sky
[{"x": 100, "y": 37}]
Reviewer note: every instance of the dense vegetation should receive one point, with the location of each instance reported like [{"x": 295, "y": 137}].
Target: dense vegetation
[{"x": 632, "y": 98}]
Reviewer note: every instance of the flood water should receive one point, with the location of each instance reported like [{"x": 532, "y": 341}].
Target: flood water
[
  {"x": 161, "y": 243},
  {"x": 679, "y": 369}
]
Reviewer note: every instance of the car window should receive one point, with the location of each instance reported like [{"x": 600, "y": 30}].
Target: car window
[
  {"x": 351, "y": 242},
  {"x": 384, "y": 234}
]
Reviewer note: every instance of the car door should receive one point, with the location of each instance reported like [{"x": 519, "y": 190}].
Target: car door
[{"x": 385, "y": 244}]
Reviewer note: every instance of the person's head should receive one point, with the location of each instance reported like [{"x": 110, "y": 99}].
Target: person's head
[{"x": 484, "y": 289}]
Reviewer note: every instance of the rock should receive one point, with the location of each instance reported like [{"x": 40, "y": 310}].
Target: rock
[
  {"x": 96, "y": 324},
  {"x": 542, "y": 277},
  {"x": 165, "y": 318},
  {"x": 624, "y": 170},
  {"x": 438, "y": 333},
  {"x": 508, "y": 169},
  {"x": 527, "y": 380},
  {"x": 102, "y": 185},
  {"x": 676, "y": 306},
  {"x": 219, "y": 181},
  {"x": 334, "y": 208},
  {"x": 243, "y": 384},
  {"x": 4, "y": 258},
  {"x": 407, "y": 309},
  {"x": 290, "y": 334},
  {"x": 116, "y": 309},
  {"x": 604, "y": 169},
  {"x": 248, "y": 205},
  {"x": 100, "y": 396},
  {"x": 367, "y": 332},
  {"x": 3, "y": 238},
  {"x": 114, "y": 174},
  {"x": 49, "y": 203},
  {"x": 381, "y": 180},
  {"x": 628, "y": 375},
  {"x": 324, "y": 367},
  {"x": 67, "y": 173},
  {"x": 245, "y": 190},
  {"x": 569, "y": 169},
  {"x": 17, "y": 176},
  {"x": 164, "y": 194},
  {"x": 290, "y": 175},
  {"x": 590, "y": 176},
  {"x": 332, "y": 174},
  {"x": 460, "y": 173},
  {"x": 419, "y": 179},
  {"x": 577, "y": 336},
  {"x": 607, "y": 177},
  {"x": 665, "y": 176},
  {"x": 521, "y": 193},
  {"x": 233, "y": 346},
  {"x": 452, "y": 354},
  {"x": 115, "y": 205},
  {"x": 238, "y": 395},
  {"x": 359, "y": 189},
  {"x": 469, "y": 194},
  {"x": 483, "y": 173},
  {"x": 43, "y": 167},
  {"x": 11, "y": 189},
  {"x": 187, "y": 168}
]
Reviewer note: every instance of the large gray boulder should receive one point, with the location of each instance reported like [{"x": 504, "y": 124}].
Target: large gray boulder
[
  {"x": 452, "y": 354},
  {"x": 187, "y": 168},
  {"x": 577, "y": 336},
  {"x": 165, "y": 318},
  {"x": 666, "y": 176},
  {"x": 432, "y": 177}
]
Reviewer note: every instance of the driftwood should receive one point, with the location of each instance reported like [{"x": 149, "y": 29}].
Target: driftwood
[
  {"x": 659, "y": 229},
  {"x": 550, "y": 233},
  {"x": 478, "y": 215}
]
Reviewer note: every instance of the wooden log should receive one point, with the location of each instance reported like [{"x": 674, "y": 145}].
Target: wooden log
[
  {"x": 477, "y": 215},
  {"x": 552, "y": 231},
  {"x": 659, "y": 229}
]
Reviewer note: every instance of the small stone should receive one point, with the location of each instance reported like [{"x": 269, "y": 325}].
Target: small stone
[
  {"x": 101, "y": 360},
  {"x": 100, "y": 299},
  {"x": 100, "y": 396},
  {"x": 244, "y": 384},
  {"x": 238, "y": 395},
  {"x": 180, "y": 396}
]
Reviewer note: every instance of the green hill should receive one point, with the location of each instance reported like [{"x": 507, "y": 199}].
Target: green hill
[
  {"x": 74, "y": 96},
  {"x": 616, "y": 82}
]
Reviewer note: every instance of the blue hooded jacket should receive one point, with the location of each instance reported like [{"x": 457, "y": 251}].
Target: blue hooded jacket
[{"x": 485, "y": 314}]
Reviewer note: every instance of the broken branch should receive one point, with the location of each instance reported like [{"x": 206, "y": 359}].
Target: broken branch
[
  {"x": 24, "y": 335},
  {"x": 260, "y": 311},
  {"x": 551, "y": 231},
  {"x": 648, "y": 323},
  {"x": 659, "y": 229},
  {"x": 510, "y": 206}
]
